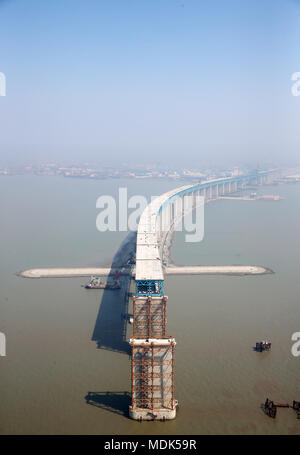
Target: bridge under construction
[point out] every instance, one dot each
(153, 350)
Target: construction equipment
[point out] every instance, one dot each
(96, 283)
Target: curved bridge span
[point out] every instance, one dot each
(152, 360)
(161, 214)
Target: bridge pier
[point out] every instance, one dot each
(152, 379)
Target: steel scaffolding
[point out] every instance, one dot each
(149, 317)
(152, 375)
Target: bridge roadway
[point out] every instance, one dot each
(152, 359)
(158, 218)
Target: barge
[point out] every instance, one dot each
(96, 283)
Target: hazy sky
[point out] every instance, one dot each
(187, 82)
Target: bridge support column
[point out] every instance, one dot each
(152, 379)
(178, 213)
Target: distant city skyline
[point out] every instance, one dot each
(95, 171)
(187, 83)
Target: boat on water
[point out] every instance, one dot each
(96, 283)
(263, 345)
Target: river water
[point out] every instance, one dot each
(67, 368)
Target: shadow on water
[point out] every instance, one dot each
(110, 327)
(116, 402)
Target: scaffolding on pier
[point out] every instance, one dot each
(152, 376)
(149, 316)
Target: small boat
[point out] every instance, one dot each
(263, 345)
